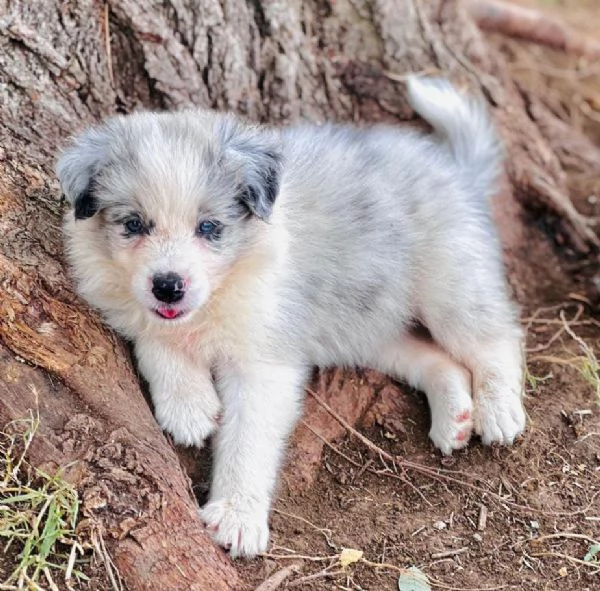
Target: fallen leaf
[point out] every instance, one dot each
(350, 556)
(563, 572)
(413, 579)
(591, 554)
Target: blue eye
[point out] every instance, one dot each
(134, 226)
(209, 229)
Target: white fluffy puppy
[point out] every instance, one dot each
(237, 257)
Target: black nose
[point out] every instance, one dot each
(168, 288)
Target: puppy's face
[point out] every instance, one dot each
(165, 205)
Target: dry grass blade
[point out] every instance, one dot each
(325, 573)
(560, 535)
(436, 583)
(103, 555)
(577, 561)
(593, 564)
(564, 326)
(585, 363)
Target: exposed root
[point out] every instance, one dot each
(531, 25)
(577, 229)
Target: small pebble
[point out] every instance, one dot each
(477, 538)
(440, 525)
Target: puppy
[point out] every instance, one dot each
(237, 257)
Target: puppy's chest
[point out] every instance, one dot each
(235, 337)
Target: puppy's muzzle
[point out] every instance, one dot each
(168, 288)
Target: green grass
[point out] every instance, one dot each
(534, 381)
(38, 516)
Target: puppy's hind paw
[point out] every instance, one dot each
(453, 432)
(499, 419)
(241, 526)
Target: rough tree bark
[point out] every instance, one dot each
(64, 65)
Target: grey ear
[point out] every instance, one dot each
(257, 156)
(77, 168)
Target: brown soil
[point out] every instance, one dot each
(552, 473)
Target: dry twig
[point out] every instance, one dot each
(483, 513)
(276, 579)
(449, 553)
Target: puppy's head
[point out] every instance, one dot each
(163, 205)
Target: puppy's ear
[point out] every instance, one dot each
(77, 168)
(257, 158)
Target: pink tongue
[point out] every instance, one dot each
(168, 313)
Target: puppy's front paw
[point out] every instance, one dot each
(189, 420)
(241, 525)
(499, 417)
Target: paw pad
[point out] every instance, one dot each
(465, 415)
(462, 435)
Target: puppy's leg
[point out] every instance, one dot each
(447, 385)
(261, 405)
(488, 342)
(185, 401)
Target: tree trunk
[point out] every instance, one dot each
(64, 65)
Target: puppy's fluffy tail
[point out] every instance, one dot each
(464, 124)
